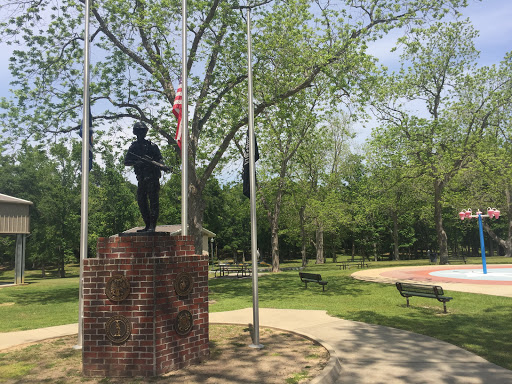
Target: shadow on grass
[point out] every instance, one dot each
(42, 296)
(7, 274)
(282, 290)
(478, 323)
(473, 332)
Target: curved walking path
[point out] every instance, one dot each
(360, 353)
(372, 354)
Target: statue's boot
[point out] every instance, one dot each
(147, 227)
(152, 224)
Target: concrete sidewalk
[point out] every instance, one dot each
(360, 353)
(12, 339)
(371, 354)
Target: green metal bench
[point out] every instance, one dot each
(421, 290)
(312, 278)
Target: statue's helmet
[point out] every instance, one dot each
(139, 126)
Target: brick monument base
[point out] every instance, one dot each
(145, 306)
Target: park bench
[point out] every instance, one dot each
(457, 258)
(312, 278)
(431, 291)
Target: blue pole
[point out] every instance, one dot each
(482, 246)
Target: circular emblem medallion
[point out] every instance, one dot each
(183, 323)
(117, 288)
(183, 284)
(118, 329)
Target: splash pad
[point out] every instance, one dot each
(464, 278)
(493, 274)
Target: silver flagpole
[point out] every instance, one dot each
(184, 124)
(85, 178)
(252, 183)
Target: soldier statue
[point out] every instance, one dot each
(146, 159)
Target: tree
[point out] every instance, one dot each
(288, 128)
(112, 199)
(48, 178)
(138, 63)
(393, 191)
(324, 173)
(234, 234)
(460, 102)
(487, 182)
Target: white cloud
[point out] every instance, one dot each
(5, 75)
(493, 18)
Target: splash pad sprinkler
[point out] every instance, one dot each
(492, 213)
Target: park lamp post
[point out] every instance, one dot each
(211, 245)
(491, 212)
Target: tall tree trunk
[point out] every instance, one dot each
(62, 270)
(442, 239)
(303, 235)
(396, 249)
(505, 243)
(274, 230)
(274, 242)
(320, 244)
(195, 216)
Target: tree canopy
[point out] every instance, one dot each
(311, 59)
(136, 65)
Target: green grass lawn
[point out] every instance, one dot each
(478, 323)
(41, 302)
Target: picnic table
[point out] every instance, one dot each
(359, 263)
(241, 270)
(344, 265)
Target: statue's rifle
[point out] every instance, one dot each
(146, 159)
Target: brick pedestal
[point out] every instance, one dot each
(150, 265)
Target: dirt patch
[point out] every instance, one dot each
(285, 358)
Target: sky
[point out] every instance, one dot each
(493, 18)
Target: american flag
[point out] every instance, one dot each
(177, 110)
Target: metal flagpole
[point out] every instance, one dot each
(85, 176)
(252, 183)
(184, 124)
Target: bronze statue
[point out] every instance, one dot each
(146, 159)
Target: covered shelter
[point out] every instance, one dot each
(15, 220)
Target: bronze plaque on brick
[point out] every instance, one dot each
(183, 284)
(183, 323)
(118, 329)
(117, 288)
